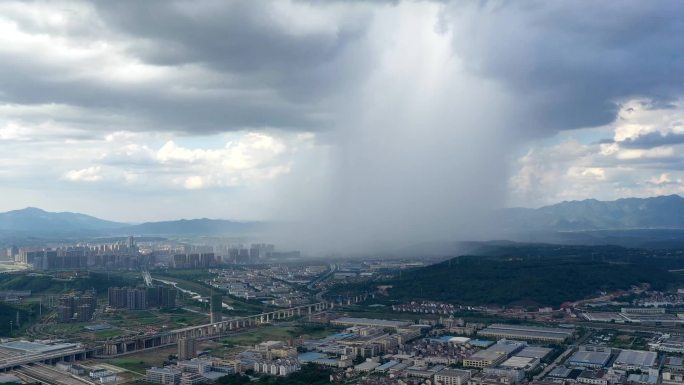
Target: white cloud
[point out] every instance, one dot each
(658, 152)
(194, 182)
(662, 179)
(90, 174)
(592, 173)
(245, 159)
(573, 170)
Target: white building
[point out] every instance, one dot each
(165, 376)
(452, 377)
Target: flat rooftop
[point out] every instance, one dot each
(454, 373)
(370, 322)
(27, 347)
(517, 362)
(534, 352)
(636, 358)
(583, 357)
(673, 362)
(526, 331)
(497, 350)
(530, 328)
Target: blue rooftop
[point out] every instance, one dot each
(310, 356)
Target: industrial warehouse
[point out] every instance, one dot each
(529, 333)
(349, 321)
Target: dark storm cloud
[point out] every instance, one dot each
(262, 66)
(300, 51)
(153, 107)
(571, 63)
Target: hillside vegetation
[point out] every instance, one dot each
(533, 274)
(37, 283)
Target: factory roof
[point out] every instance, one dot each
(387, 365)
(517, 362)
(534, 352)
(673, 362)
(636, 358)
(365, 366)
(27, 347)
(497, 350)
(584, 357)
(526, 331)
(530, 328)
(560, 372)
(370, 322)
(642, 378)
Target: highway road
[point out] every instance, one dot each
(332, 268)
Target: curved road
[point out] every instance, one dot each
(332, 268)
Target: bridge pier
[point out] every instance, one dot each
(211, 330)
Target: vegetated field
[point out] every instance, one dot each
(133, 319)
(7, 267)
(51, 283)
(533, 275)
(277, 332)
(139, 362)
(629, 341)
(75, 331)
(28, 314)
(109, 333)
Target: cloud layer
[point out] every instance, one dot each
(367, 122)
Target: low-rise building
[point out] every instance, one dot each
(635, 360)
(452, 377)
(529, 333)
(593, 377)
(279, 367)
(494, 354)
(670, 344)
(482, 378)
(195, 365)
(590, 357)
(165, 376)
(103, 376)
(191, 379)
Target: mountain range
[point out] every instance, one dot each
(663, 212)
(573, 220)
(34, 222)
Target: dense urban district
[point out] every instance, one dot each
(181, 312)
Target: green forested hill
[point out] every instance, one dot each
(534, 274)
(38, 283)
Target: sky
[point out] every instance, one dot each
(388, 119)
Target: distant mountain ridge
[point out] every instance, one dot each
(35, 222)
(620, 216)
(201, 226)
(662, 212)
(33, 219)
